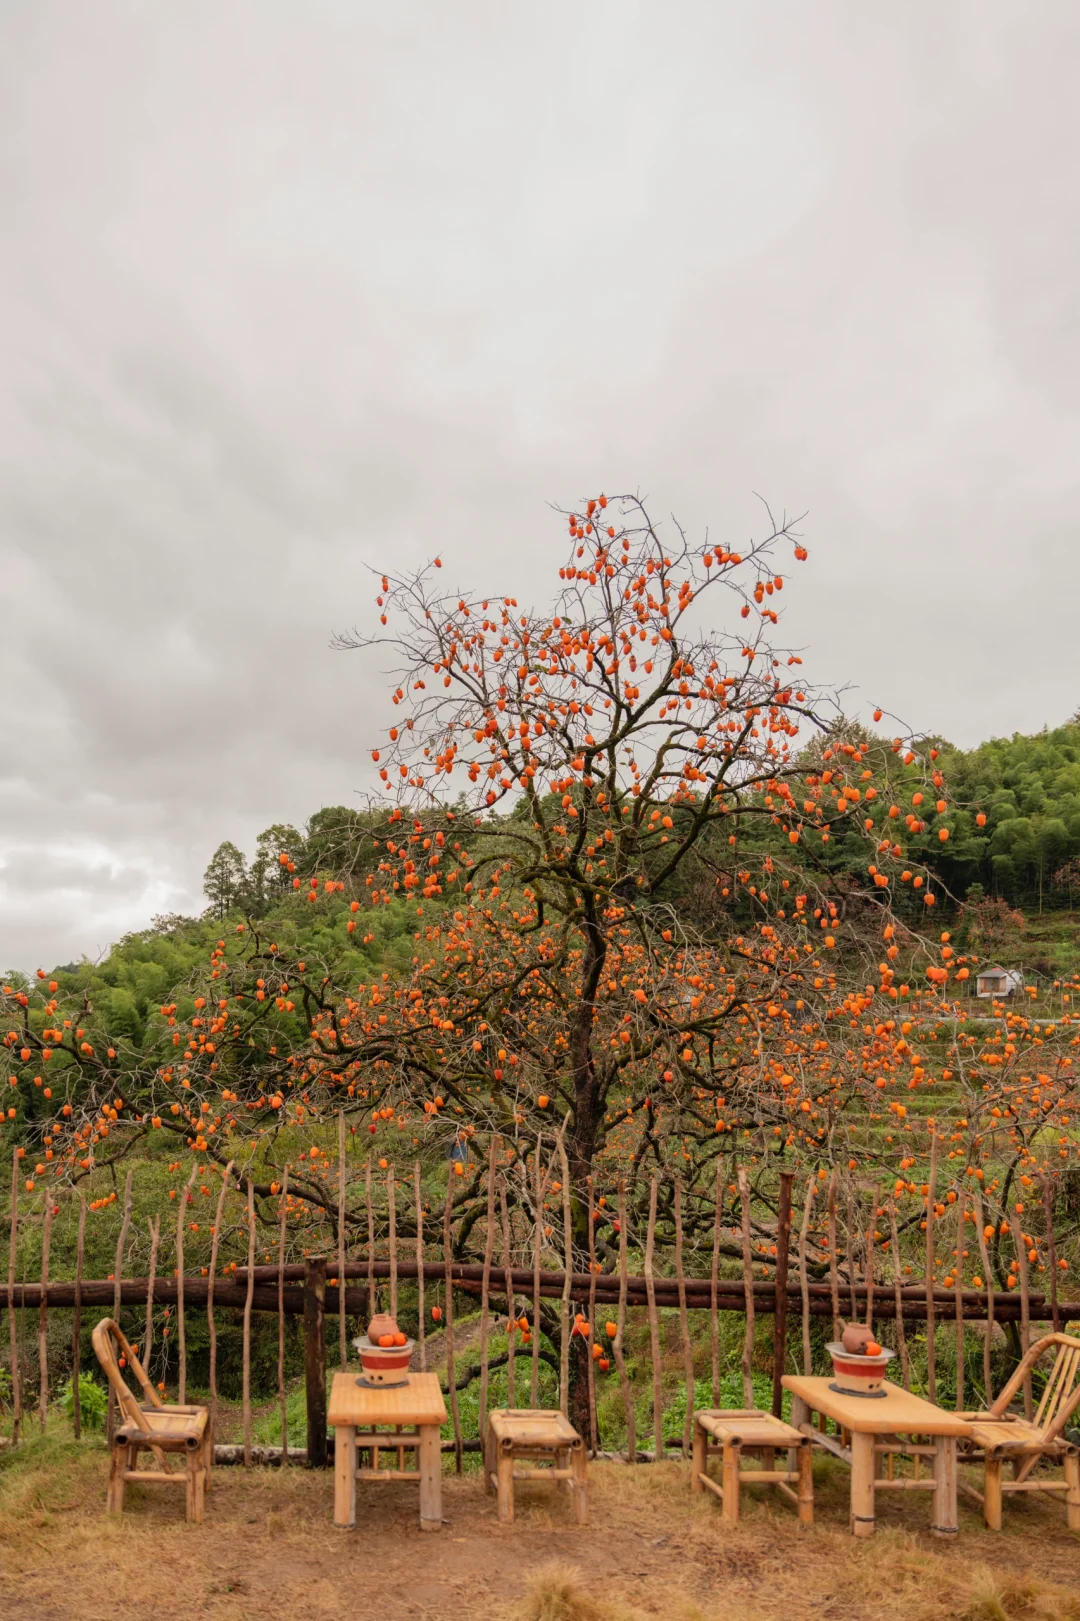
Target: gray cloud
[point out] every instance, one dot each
(286, 291)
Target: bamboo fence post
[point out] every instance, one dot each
(684, 1321)
(714, 1279)
(783, 1250)
(43, 1315)
(984, 1255)
(834, 1281)
(928, 1275)
(958, 1300)
(804, 1281)
(511, 1322)
(343, 1352)
(748, 1289)
(371, 1303)
(211, 1322)
(154, 1229)
(391, 1209)
(420, 1264)
(654, 1328)
(485, 1289)
(901, 1335)
(76, 1322)
(13, 1328)
(538, 1196)
(1051, 1253)
(617, 1342)
(849, 1246)
(282, 1403)
(1025, 1307)
(568, 1268)
(591, 1361)
(448, 1256)
(118, 1274)
(248, 1295)
(180, 1285)
(870, 1267)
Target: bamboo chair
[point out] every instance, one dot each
(998, 1435)
(152, 1426)
(729, 1432)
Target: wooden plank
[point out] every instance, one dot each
(419, 1402)
(247, 1323)
(897, 1412)
(654, 1328)
(315, 1361)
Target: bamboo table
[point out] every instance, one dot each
(875, 1427)
(390, 1420)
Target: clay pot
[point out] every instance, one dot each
(855, 1338)
(382, 1323)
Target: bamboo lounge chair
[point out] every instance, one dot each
(154, 1427)
(998, 1436)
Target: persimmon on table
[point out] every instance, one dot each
(876, 1428)
(393, 1419)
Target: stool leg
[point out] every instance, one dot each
(193, 1486)
(862, 1485)
(489, 1459)
(730, 1482)
(114, 1501)
(208, 1453)
(579, 1463)
(430, 1462)
(699, 1457)
(1072, 1496)
(504, 1473)
(345, 1476)
(992, 1493)
(805, 1487)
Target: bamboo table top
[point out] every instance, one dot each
(899, 1412)
(418, 1402)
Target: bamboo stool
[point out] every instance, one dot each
(739, 1430)
(520, 1433)
(155, 1427)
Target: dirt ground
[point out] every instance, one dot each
(268, 1548)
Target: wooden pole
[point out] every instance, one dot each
(391, 1208)
(928, 1275)
(118, 1277)
(76, 1321)
(654, 1328)
(43, 1315)
(372, 1304)
(783, 1248)
(1025, 1308)
(684, 1321)
(984, 1256)
(539, 1200)
(154, 1229)
(834, 1281)
(211, 1321)
(180, 1286)
(617, 1342)
(511, 1322)
(13, 1328)
(804, 1280)
(283, 1405)
(420, 1264)
(1051, 1253)
(901, 1336)
(315, 1360)
(869, 1258)
(714, 1281)
(958, 1300)
(448, 1256)
(748, 1288)
(849, 1245)
(247, 1321)
(485, 1288)
(568, 1267)
(343, 1351)
(591, 1363)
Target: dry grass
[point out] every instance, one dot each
(652, 1549)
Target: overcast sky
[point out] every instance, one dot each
(289, 289)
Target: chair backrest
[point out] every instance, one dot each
(106, 1332)
(1062, 1393)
